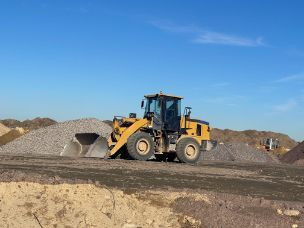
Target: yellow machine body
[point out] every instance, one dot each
(122, 131)
(162, 130)
(195, 129)
(125, 127)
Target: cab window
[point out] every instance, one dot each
(172, 109)
(154, 105)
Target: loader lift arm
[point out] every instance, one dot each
(125, 136)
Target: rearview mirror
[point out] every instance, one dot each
(142, 104)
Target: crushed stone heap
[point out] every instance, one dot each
(238, 152)
(52, 139)
(296, 155)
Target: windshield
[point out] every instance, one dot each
(153, 105)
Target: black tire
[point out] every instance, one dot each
(140, 146)
(182, 150)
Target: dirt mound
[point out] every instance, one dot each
(238, 152)
(86, 205)
(29, 124)
(11, 135)
(135, 198)
(52, 139)
(295, 154)
(236, 211)
(27, 204)
(299, 162)
(252, 137)
(3, 129)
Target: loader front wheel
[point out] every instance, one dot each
(140, 146)
(188, 150)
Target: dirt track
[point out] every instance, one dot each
(270, 182)
(61, 191)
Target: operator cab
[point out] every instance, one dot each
(165, 110)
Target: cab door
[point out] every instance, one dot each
(171, 114)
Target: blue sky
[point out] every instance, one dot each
(239, 64)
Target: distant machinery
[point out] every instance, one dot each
(270, 143)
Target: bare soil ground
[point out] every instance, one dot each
(208, 194)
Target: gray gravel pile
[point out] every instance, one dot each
(51, 140)
(238, 152)
(219, 153)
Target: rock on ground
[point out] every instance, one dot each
(52, 139)
(238, 152)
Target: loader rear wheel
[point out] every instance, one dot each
(140, 146)
(188, 150)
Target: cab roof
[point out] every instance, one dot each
(162, 95)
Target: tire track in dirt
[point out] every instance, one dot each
(271, 182)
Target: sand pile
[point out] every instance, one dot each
(3, 129)
(295, 155)
(11, 135)
(238, 152)
(52, 139)
(26, 204)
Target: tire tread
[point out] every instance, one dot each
(131, 146)
(180, 150)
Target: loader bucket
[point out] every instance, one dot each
(86, 145)
(99, 148)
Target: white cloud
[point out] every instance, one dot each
(203, 36)
(295, 77)
(208, 37)
(287, 106)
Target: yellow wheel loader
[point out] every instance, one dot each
(162, 132)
